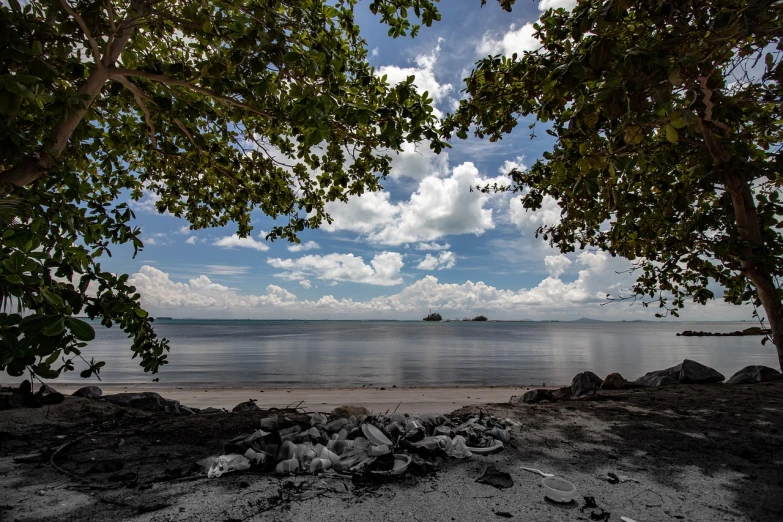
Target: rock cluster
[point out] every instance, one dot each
(687, 372)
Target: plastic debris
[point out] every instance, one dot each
(496, 478)
(227, 464)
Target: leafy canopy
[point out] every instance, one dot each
(666, 115)
(213, 108)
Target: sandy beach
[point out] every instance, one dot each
(410, 400)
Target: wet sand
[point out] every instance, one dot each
(410, 400)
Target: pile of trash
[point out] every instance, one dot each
(379, 444)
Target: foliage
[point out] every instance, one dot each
(480, 318)
(212, 108)
(433, 317)
(668, 119)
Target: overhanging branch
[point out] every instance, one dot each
(90, 38)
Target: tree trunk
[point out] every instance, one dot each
(749, 231)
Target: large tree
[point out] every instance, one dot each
(214, 108)
(668, 119)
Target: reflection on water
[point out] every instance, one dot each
(354, 353)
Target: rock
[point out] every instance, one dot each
(47, 396)
(614, 381)
(562, 394)
(147, 401)
(348, 411)
(246, 406)
(584, 383)
(210, 409)
(687, 372)
(88, 392)
(536, 396)
(753, 374)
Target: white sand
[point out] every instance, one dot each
(410, 400)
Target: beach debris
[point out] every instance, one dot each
(589, 503)
(754, 374)
(88, 392)
(687, 372)
(626, 519)
(614, 381)
(615, 478)
(148, 401)
(23, 396)
(226, 464)
(558, 489)
(539, 472)
(349, 411)
(535, 396)
(600, 515)
(291, 442)
(495, 478)
(504, 514)
(584, 383)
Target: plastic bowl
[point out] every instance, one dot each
(559, 490)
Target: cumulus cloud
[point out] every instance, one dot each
(513, 41)
(545, 5)
(241, 242)
(384, 268)
(303, 247)
(527, 220)
(556, 265)
(305, 283)
(439, 207)
(418, 161)
(433, 246)
(443, 261)
(424, 73)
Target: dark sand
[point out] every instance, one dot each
(696, 453)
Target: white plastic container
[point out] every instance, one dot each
(559, 490)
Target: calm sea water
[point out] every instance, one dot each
(355, 353)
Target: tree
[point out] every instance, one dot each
(480, 318)
(668, 118)
(213, 107)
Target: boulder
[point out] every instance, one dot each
(349, 411)
(687, 372)
(147, 401)
(47, 396)
(614, 381)
(88, 392)
(562, 394)
(246, 406)
(584, 383)
(753, 374)
(536, 396)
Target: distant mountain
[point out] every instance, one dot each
(588, 320)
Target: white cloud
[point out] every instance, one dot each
(184, 229)
(241, 242)
(439, 207)
(305, 283)
(375, 52)
(556, 265)
(384, 268)
(513, 41)
(551, 298)
(418, 161)
(515, 164)
(224, 269)
(433, 246)
(545, 5)
(424, 73)
(191, 240)
(303, 247)
(444, 260)
(528, 220)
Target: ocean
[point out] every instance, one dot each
(416, 353)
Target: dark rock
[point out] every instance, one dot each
(107, 466)
(687, 372)
(614, 381)
(47, 396)
(562, 394)
(246, 406)
(536, 396)
(349, 411)
(584, 383)
(753, 374)
(88, 392)
(147, 401)
(210, 410)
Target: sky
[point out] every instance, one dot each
(425, 242)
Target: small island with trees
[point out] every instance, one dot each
(433, 317)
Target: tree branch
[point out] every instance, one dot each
(90, 38)
(139, 96)
(116, 72)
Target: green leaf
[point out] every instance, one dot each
(671, 134)
(50, 296)
(53, 326)
(207, 26)
(141, 312)
(80, 329)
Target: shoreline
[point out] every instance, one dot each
(409, 400)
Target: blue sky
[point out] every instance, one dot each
(425, 242)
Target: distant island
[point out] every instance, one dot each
(480, 318)
(433, 317)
